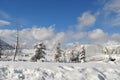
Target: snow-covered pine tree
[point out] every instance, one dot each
(40, 52)
(82, 55)
(74, 56)
(109, 52)
(59, 53)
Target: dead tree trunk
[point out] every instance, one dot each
(0, 49)
(17, 42)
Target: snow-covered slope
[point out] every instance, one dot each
(5, 45)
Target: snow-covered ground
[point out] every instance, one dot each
(97, 67)
(98, 70)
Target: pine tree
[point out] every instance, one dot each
(109, 52)
(59, 53)
(82, 55)
(58, 49)
(40, 52)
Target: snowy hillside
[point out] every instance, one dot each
(5, 45)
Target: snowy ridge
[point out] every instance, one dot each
(59, 71)
(5, 45)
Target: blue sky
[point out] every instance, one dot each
(62, 13)
(80, 19)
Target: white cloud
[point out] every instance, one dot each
(26, 33)
(86, 20)
(4, 15)
(75, 35)
(29, 36)
(59, 37)
(112, 12)
(42, 33)
(97, 35)
(8, 35)
(113, 6)
(4, 23)
(115, 37)
(33, 35)
(78, 36)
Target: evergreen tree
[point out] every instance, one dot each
(59, 52)
(82, 55)
(58, 49)
(40, 52)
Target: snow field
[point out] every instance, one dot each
(97, 67)
(59, 71)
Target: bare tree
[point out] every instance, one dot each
(0, 49)
(17, 42)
